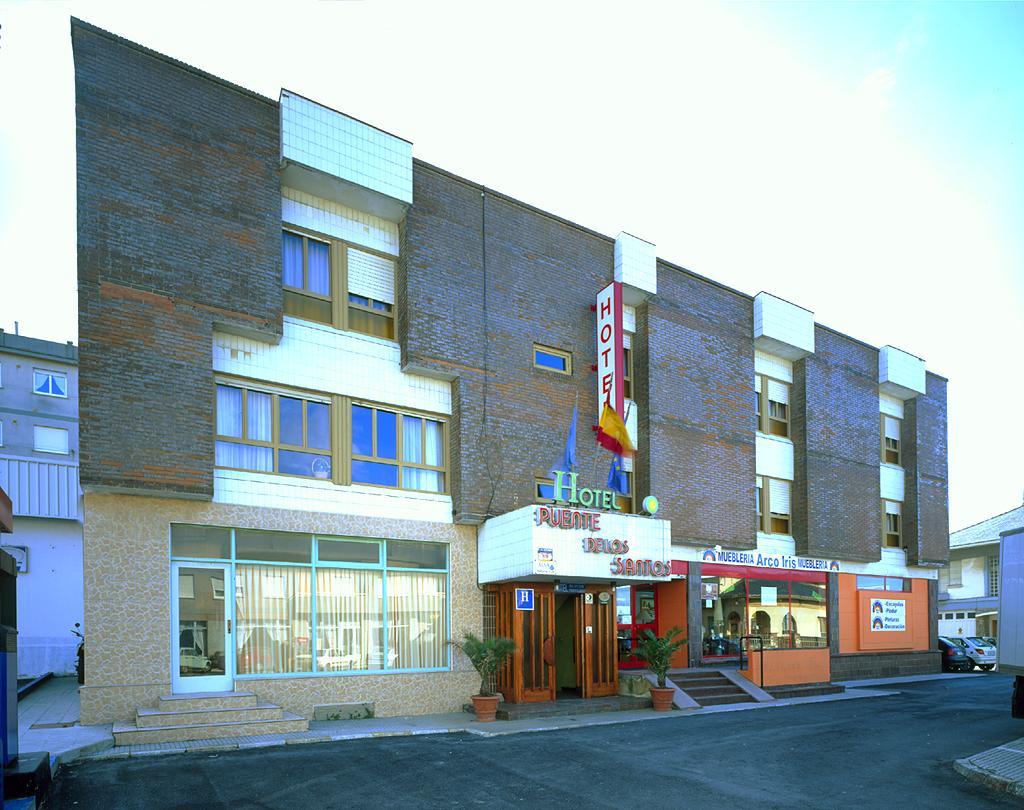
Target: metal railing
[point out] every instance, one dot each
(760, 649)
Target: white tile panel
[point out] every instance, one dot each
(43, 489)
(899, 373)
(891, 481)
(632, 417)
(312, 495)
(773, 366)
(636, 264)
(337, 220)
(507, 546)
(344, 147)
(628, 319)
(318, 357)
(782, 328)
(774, 457)
(890, 405)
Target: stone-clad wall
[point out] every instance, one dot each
(179, 207)
(836, 509)
(127, 608)
(926, 458)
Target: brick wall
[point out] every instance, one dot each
(695, 368)
(835, 431)
(926, 500)
(486, 278)
(177, 183)
(885, 665)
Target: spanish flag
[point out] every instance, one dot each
(612, 434)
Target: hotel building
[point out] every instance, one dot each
(323, 386)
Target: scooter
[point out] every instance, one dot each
(80, 665)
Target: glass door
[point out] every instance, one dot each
(201, 659)
(636, 610)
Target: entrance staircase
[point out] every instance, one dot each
(709, 687)
(206, 716)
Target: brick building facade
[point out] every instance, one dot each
(432, 308)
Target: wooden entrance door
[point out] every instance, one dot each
(529, 676)
(597, 659)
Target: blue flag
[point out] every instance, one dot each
(567, 460)
(617, 479)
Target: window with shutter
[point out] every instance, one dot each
(891, 524)
(772, 406)
(890, 440)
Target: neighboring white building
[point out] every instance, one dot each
(969, 586)
(39, 471)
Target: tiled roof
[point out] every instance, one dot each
(988, 530)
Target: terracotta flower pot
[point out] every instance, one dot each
(486, 707)
(661, 698)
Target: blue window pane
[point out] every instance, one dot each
(362, 430)
(372, 472)
(549, 360)
(290, 421)
(295, 463)
(387, 434)
(318, 425)
(546, 491)
(57, 386)
(382, 306)
(358, 299)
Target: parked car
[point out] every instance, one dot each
(954, 657)
(981, 652)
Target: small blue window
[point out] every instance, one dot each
(373, 472)
(50, 384)
(553, 359)
(362, 430)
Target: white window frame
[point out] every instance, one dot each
(956, 573)
(48, 372)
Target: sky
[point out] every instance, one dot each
(865, 161)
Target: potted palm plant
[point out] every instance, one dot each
(657, 652)
(487, 656)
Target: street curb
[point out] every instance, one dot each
(969, 770)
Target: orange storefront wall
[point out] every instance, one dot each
(672, 613)
(783, 667)
(855, 634)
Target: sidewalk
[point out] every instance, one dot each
(1000, 768)
(48, 721)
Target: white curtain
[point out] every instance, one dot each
(229, 411)
(318, 256)
(416, 620)
(257, 420)
(272, 608)
(291, 248)
(413, 451)
(350, 620)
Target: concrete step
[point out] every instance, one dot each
(720, 700)
(804, 690)
(700, 692)
(155, 718)
(130, 734)
(206, 700)
(699, 683)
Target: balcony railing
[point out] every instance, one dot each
(47, 489)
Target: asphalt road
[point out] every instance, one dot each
(890, 752)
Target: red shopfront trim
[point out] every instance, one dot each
(680, 568)
(750, 572)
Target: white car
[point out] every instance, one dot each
(980, 652)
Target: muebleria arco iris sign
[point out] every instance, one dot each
(760, 559)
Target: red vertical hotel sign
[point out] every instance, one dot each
(609, 349)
